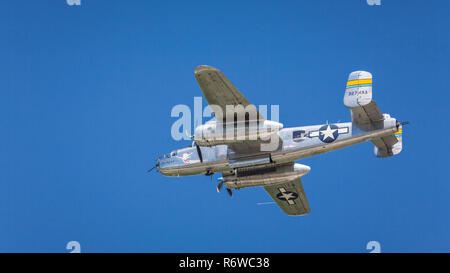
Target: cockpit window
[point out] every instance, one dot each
(173, 153)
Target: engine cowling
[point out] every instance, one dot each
(253, 177)
(212, 133)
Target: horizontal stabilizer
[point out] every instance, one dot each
(388, 145)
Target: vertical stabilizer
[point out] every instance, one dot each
(359, 89)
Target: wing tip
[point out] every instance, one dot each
(299, 214)
(202, 68)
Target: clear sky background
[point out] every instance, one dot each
(85, 99)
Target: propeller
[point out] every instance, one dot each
(199, 151)
(200, 156)
(230, 192)
(219, 186)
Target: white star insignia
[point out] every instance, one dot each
(287, 196)
(328, 133)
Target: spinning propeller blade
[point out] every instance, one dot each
(219, 186)
(199, 152)
(230, 192)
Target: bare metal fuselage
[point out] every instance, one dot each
(297, 143)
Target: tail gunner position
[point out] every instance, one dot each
(244, 163)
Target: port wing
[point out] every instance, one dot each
(290, 196)
(220, 93)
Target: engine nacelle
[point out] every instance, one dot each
(213, 133)
(253, 177)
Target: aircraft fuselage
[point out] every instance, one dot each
(297, 143)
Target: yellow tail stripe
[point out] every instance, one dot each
(362, 81)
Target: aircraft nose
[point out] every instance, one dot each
(157, 166)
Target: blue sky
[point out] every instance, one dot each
(85, 99)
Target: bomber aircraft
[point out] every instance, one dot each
(251, 151)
